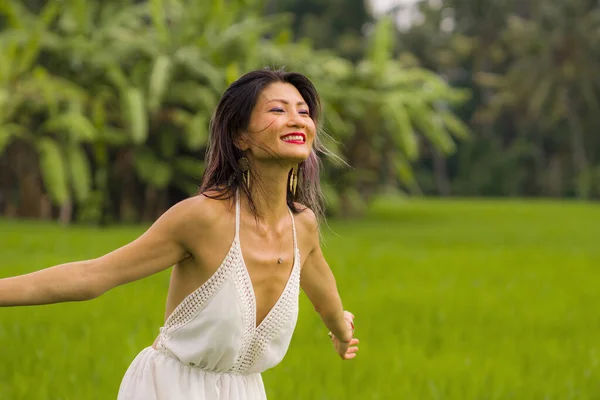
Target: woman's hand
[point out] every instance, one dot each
(346, 350)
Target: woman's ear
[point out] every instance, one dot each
(241, 142)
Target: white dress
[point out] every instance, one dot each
(210, 347)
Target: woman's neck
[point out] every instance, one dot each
(269, 193)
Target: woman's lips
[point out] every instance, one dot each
(294, 138)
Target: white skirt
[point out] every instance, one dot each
(155, 376)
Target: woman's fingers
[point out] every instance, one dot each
(352, 349)
(351, 352)
(353, 341)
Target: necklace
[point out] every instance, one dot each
(280, 258)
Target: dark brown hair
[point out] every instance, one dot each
(232, 117)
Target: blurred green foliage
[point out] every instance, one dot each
(535, 111)
(107, 104)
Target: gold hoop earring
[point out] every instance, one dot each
(244, 166)
(294, 180)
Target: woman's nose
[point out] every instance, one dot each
(295, 120)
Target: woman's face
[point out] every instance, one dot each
(281, 124)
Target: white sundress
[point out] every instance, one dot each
(210, 347)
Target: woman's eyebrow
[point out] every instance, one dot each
(300, 103)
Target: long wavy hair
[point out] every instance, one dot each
(223, 176)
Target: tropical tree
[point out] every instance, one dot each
(144, 78)
(552, 87)
(43, 125)
(533, 112)
(384, 115)
(333, 25)
(127, 56)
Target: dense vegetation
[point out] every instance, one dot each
(530, 66)
(105, 105)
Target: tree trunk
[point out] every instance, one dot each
(149, 203)
(24, 162)
(441, 173)
(554, 177)
(348, 207)
(580, 160)
(45, 207)
(5, 185)
(128, 207)
(66, 213)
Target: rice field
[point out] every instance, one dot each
(454, 300)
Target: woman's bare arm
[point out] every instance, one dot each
(320, 286)
(160, 247)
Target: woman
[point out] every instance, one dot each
(241, 249)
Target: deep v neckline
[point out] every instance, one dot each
(253, 302)
(256, 325)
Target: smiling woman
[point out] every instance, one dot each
(251, 123)
(241, 250)
(275, 124)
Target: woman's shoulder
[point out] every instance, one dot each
(203, 210)
(306, 218)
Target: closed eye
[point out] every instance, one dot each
(280, 110)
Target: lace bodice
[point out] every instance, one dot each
(214, 328)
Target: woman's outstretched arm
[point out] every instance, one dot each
(160, 247)
(320, 286)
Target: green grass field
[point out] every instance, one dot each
(453, 300)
